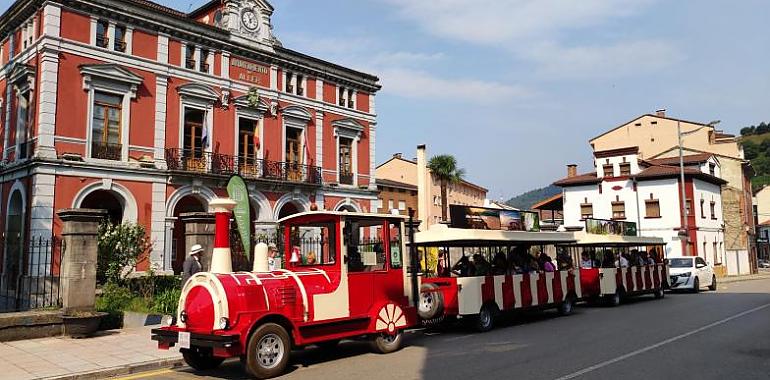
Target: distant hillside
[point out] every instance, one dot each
(526, 200)
(756, 148)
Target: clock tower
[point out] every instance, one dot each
(249, 21)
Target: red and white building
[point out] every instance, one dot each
(647, 192)
(147, 111)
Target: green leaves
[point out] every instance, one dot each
(444, 168)
(121, 247)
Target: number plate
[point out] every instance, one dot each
(184, 339)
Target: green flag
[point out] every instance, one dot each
(238, 192)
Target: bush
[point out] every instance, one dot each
(113, 300)
(166, 302)
(121, 247)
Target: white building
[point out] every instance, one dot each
(647, 192)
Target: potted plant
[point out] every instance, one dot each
(81, 324)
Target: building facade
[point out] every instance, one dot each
(402, 170)
(647, 192)
(394, 195)
(146, 111)
(656, 137)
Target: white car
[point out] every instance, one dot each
(690, 273)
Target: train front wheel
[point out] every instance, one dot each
(268, 351)
(385, 343)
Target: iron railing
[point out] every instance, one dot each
(106, 151)
(249, 168)
(30, 274)
(346, 178)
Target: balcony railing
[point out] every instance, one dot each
(102, 41)
(249, 168)
(346, 178)
(120, 46)
(190, 64)
(106, 151)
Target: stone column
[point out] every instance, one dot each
(78, 267)
(199, 229)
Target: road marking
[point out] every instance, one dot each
(661, 343)
(146, 374)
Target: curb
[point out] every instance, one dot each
(128, 369)
(727, 280)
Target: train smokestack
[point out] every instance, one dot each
(260, 258)
(221, 259)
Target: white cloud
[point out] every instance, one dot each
(420, 84)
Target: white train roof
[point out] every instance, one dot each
(342, 213)
(440, 233)
(584, 238)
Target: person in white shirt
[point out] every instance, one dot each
(585, 261)
(272, 252)
(622, 261)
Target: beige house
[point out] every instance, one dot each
(403, 170)
(656, 137)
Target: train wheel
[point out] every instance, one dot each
(713, 285)
(385, 343)
(201, 359)
(431, 303)
(485, 321)
(658, 294)
(567, 306)
(614, 299)
(268, 351)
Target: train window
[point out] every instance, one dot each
(365, 248)
(395, 245)
(313, 244)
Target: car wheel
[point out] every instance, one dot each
(695, 285)
(485, 321)
(713, 285)
(200, 358)
(385, 343)
(268, 351)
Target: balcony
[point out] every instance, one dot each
(346, 178)
(181, 160)
(189, 64)
(120, 46)
(105, 151)
(102, 41)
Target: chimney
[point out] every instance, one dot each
(422, 186)
(661, 112)
(571, 170)
(396, 155)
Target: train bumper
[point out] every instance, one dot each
(168, 338)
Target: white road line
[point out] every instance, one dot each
(661, 343)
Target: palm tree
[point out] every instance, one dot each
(444, 168)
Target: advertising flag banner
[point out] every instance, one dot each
(238, 192)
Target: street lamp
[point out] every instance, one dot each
(684, 232)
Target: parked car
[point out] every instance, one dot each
(764, 263)
(690, 273)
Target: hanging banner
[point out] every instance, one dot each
(610, 227)
(238, 192)
(482, 218)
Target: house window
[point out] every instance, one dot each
(618, 210)
(379, 204)
(341, 96)
(189, 58)
(248, 145)
(702, 214)
(714, 250)
(402, 205)
(120, 38)
(586, 211)
(351, 102)
(345, 160)
(608, 170)
(300, 89)
(712, 169)
(687, 207)
(288, 86)
(101, 34)
(203, 65)
(106, 126)
(652, 208)
(22, 121)
(625, 169)
(713, 210)
(194, 142)
(390, 205)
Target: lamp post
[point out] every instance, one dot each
(685, 231)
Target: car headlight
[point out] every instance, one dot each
(224, 323)
(686, 274)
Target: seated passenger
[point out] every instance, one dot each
(310, 258)
(548, 264)
(481, 264)
(462, 267)
(441, 267)
(608, 260)
(622, 261)
(500, 264)
(564, 260)
(585, 261)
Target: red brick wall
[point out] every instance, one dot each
(75, 26)
(144, 45)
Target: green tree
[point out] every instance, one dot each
(745, 131)
(762, 128)
(121, 247)
(750, 150)
(444, 169)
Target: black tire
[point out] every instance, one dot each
(658, 294)
(386, 343)
(614, 299)
(713, 286)
(485, 321)
(567, 306)
(695, 285)
(431, 303)
(328, 345)
(267, 353)
(201, 358)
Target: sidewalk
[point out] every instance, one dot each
(763, 274)
(112, 353)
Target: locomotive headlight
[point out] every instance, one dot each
(183, 316)
(224, 323)
(171, 320)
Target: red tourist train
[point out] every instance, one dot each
(347, 278)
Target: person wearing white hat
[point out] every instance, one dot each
(192, 264)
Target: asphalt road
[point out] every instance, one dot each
(711, 335)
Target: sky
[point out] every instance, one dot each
(514, 89)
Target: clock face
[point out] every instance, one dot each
(250, 20)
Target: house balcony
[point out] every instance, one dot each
(205, 163)
(346, 178)
(106, 151)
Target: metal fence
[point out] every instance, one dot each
(30, 274)
(243, 261)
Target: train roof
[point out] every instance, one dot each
(584, 238)
(440, 233)
(342, 213)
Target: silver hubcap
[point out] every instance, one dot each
(269, 351)
(485, 317)
(389, 339)
(568, 306)
(426, 301)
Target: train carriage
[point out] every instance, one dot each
(615, 266)
(478, 296)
